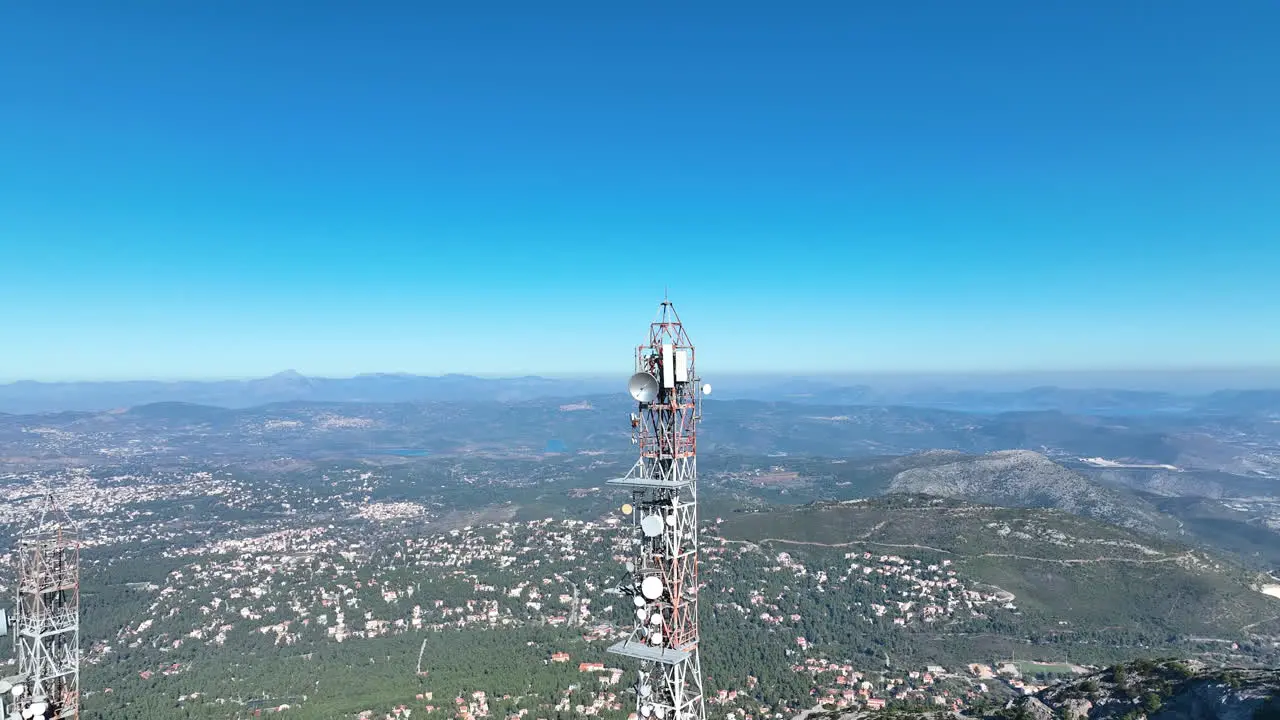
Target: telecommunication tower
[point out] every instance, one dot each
(46, 627)
(662, 574)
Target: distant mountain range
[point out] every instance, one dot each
(1078, 401)
(288, 386)
(599, 422)
(39, 397)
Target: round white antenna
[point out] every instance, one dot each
(706, 389)
(651, 588)
(643, 387)
(651, 525)
(639, 601)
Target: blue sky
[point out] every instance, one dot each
(233, 188)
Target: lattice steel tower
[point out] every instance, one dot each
(47, 624)
(662, 575)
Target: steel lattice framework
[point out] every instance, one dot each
(662, 578)
(47, 624)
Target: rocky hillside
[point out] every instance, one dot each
(1022, 478)
(1158, 690)
(1140, 690)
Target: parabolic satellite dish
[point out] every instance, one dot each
(643, 387)
(651, 588)
(651, 525)
(706, 389)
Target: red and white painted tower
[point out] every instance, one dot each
(662, 574)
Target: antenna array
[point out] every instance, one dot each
(662, 574)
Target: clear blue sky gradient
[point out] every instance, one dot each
(222, 189)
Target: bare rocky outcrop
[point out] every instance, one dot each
(1038, 710)
(1076, 709)
(1165, 690)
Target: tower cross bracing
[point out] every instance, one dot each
(46, 626)
(662, 572)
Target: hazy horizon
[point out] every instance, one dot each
(1183, 380)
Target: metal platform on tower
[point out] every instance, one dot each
(640, 651)
(649, 483)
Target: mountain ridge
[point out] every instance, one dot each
(734, 427)
(1024, 478)
(27, 396)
